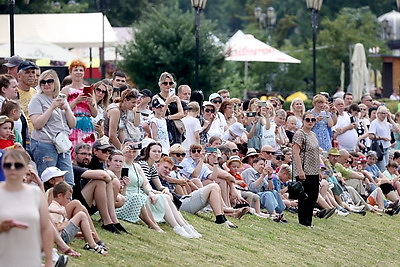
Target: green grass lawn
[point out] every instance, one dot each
(339, 241)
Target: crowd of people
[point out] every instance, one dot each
(70, 150)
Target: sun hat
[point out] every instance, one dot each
(51, 172)
(233, 159)
(334, 152)
(4, 119)
(250, 152)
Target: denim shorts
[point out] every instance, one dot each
(69, 232)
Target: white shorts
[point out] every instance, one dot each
(193, 202)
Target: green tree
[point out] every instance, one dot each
(165, 41)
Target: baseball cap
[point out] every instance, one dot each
(157, 102)
(237, 128)
(213, 96)
(51, 172)
(13, 61)
(147, 92)
(26, 65)
(208, 103)
(102, 144)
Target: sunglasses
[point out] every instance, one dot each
(49, 81)
(235, 150)
(167, 83)
(268, 152)
(209, 110)
(101, 91)
(196, 151)
(350, 162)
(181, 154)
(280, 158)
(363, 109)
(105, 150)
(85, 154)
(17, 165)
(217, 101)
(310, 119)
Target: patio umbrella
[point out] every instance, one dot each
(360, 73)
(36, 48)
(245, 47)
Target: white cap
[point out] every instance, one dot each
(237, 128)
(52, 172)
(213, 96)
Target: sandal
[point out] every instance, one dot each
(71, 252)
(242, 212)
(97, 249)
(101, 243)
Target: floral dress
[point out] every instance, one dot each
(321, 130)
(84, 129)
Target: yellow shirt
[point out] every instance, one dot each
(24, 99)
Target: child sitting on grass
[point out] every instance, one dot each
(62, 193)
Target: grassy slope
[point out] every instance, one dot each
(338, 241)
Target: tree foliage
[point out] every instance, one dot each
(165, 41)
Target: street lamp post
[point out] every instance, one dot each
(314, 6)
(11, 4)
(265, 20)
(198, 6)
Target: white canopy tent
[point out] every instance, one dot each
(245, 47)
(71, 30)
(36, 48)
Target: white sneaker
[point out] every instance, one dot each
(190, 230)
(182, 232)
(357, 208)
(341, 213)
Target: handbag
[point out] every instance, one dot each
(180, 127)
(61, 140)
(378, 148)
(296, 188)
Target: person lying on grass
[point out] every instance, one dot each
(69, 228)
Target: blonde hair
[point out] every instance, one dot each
(164, 76)
(297, 99)
(54, 75)
(318, 98)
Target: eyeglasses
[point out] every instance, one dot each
(368, 100)
(49, 81)
(105, 150)
(363, 109)
(235, 150)
(101, 91)
(209, 110)
(217, 101)
(310, 119)
(280, 158)
(196, 151)
(17, 165)
(268, 152)
(85, 154)
(181, 154)
(167, 83)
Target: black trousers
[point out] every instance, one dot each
(306, 207)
